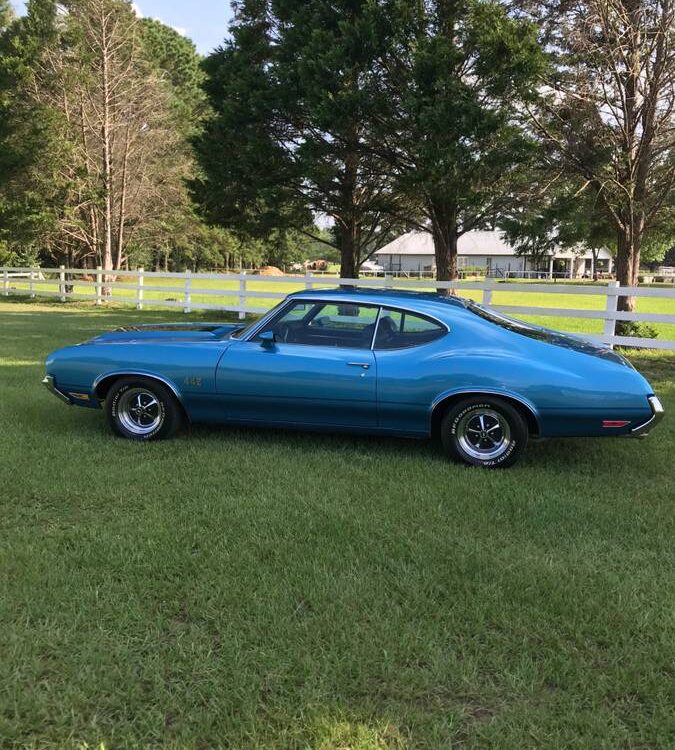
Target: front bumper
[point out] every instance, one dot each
(657, 415)
(50, 384)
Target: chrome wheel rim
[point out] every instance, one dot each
(483, 434)
(139, 411)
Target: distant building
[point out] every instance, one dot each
(413, 253)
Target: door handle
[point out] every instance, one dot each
(363, 365)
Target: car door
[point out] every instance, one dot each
(312, 364)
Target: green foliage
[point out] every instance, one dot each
(553, 214)
(175, 58)
(292, 95)
(605, 116)
(32, 148)
(7, 15)
(448, 129)
(53, 195)
(638, 330)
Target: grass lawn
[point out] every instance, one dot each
(260, 590)
(229, 297)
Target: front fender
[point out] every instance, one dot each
(99, 385)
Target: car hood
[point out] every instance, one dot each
(164, 333)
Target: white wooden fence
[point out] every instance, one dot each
(236, 294)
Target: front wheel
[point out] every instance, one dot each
(142, 409)
(484, 431)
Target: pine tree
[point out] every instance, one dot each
(451, 80)
(291, 94)
(7, 15)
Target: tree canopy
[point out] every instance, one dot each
(553, 122)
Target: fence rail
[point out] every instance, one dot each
(236, 294)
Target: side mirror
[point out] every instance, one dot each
(267, 339)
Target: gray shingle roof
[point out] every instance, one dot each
(471, 243)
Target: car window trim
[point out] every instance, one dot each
(270, 318)
(404, 311)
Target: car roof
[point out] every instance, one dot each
(424, 302)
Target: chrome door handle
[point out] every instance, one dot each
(364, 365)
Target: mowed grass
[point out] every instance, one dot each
(255, 589)
(229, 297)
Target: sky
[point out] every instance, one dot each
(204, 21)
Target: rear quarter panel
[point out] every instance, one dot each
(570, 393)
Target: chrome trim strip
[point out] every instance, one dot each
(336, 299)
(377, 328)
(136, 373)
(50, 384)
(658, 412)
(397, 308)
(487, 392)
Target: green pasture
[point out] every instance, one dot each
(264, 590)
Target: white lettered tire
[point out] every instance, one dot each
(142, 409)
(484, 431)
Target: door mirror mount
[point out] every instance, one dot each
(267, 339)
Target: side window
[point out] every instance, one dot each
(325, 324)
(398, 330)
(346, 317)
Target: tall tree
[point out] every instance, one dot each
(450, 81)
(118, 147)
(7, 14)
(32, 150)
(291, 94)
(608, 118)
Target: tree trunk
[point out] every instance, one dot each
(445, 234)
(348, 228)
(106, 140)
(627, 268)
(119, 250)
(348, 252)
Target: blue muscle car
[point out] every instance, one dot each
(397, 363)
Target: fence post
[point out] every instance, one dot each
(611, 307)
(187, 302)
(99, 285)
(5, 282)
(242, 296)
(487, 297)
(309, 284)
(139, 288)
(388, 281)
(31, 276)
(62, 283)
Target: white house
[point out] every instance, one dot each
(413, 253)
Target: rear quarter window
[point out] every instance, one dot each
(398, 329)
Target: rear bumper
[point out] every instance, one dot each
(50, 385)
(657, 415)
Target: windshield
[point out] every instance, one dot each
(242, 333)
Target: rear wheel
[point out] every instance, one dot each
(142, 409)
(484, 431)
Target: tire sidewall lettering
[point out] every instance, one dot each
(492, 462)
(115, 413)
